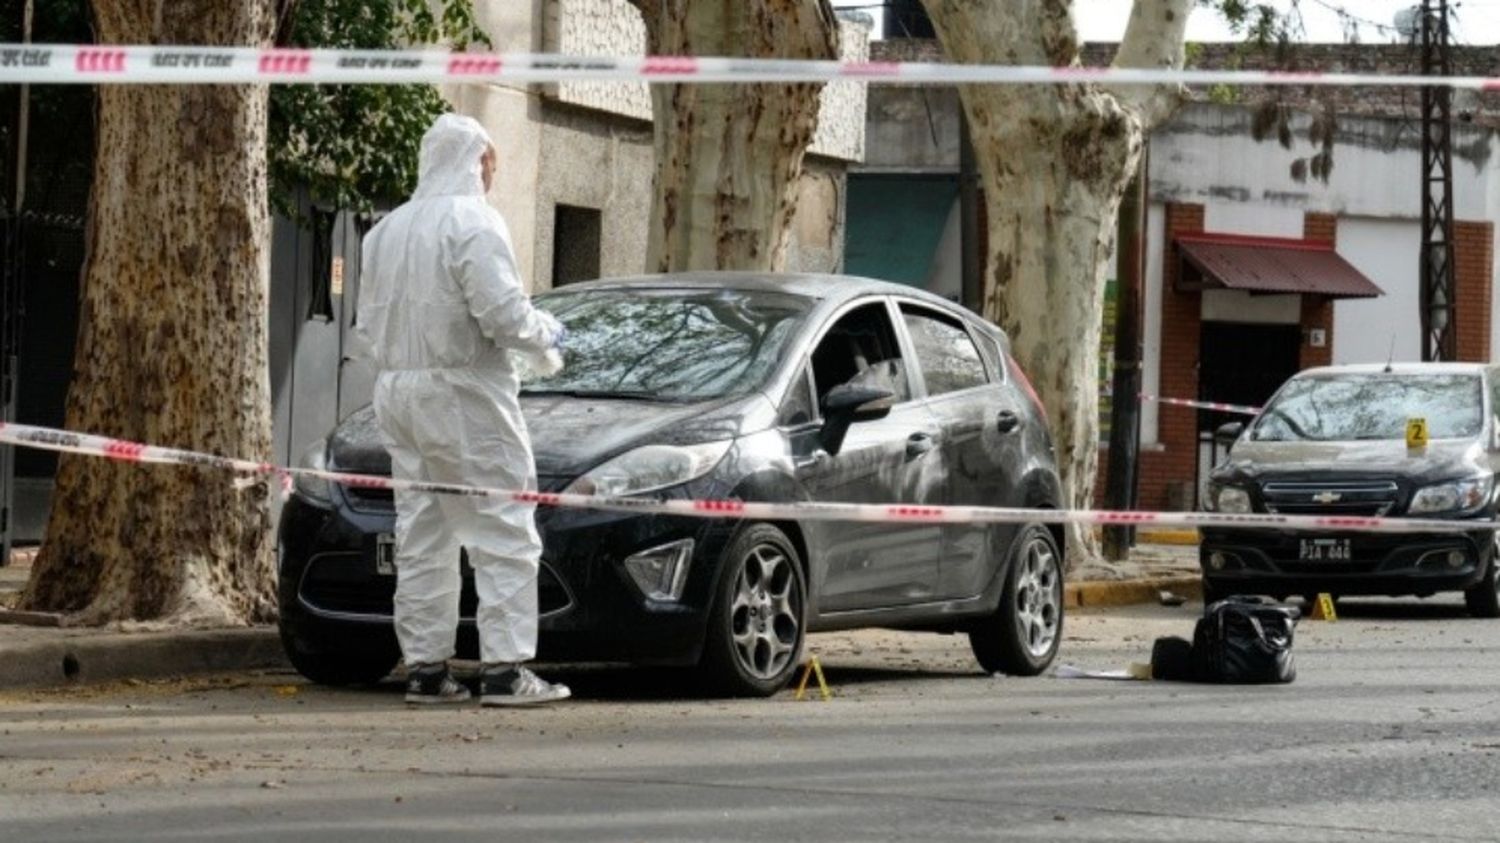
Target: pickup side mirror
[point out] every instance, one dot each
(1228, 433)
(846, 404)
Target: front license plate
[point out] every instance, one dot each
(1324, 550)
(385, 554)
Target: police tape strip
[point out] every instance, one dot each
(140, 64)
(1242, 409)
(51, 439)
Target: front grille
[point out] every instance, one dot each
(1351, 498)
(346, 583)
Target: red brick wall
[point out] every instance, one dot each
(1473, 274)
(1317, 311)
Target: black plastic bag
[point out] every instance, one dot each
(1238, 641)
(1245, 641)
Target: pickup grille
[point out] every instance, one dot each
(1337, 497)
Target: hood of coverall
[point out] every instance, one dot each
(449, 161)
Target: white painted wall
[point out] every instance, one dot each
(1258, 219)
(1386, 251)
(1206, 155)
(1240, 306)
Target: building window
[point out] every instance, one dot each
(575, 245)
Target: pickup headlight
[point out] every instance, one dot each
(1228, 499)
(1459, 496)
(649, 468)
(315, 489)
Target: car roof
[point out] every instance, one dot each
(829, 288)
(1399, 369)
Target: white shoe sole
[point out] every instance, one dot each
(509, 701)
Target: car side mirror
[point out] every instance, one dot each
(848, 403)
(1228, 433)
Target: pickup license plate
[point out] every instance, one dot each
(1324, 550)
(385, 554)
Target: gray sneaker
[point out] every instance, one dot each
(518, 686)
(432, 684)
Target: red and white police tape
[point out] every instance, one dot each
(51, 439)
(1242, 409)
(140, 64)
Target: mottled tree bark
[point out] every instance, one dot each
(728, 156)
(1055, 161)
(172, 342)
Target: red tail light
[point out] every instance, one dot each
(1025, 382)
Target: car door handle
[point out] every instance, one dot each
(1007, 421)
(918, 444)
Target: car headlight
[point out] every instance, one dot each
(1459, 496)
(314, 489)
(1228, 499)
(649, 468)
(661, 572)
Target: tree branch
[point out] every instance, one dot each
(1153, 39)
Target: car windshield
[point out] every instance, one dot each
(1372, 406)
(669, 345)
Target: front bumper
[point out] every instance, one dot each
(332, 596)
(1264, 561)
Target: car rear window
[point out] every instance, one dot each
(1372, 406)
(671, 345)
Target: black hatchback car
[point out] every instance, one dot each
(1334, 441)
(727, 385)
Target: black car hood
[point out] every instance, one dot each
(1442, 459)
(571, 435)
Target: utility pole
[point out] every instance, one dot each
(1125, 401)
(1438, 302)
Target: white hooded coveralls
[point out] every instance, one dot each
(441, 303)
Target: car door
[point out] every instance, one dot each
(980, 420)
(890, 460)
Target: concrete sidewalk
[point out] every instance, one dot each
(50, 655)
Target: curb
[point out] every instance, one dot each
(1091, 593)
(1176, 537)
(147, 655)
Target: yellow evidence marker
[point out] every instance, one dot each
(807, 672)
(1416, 434)
(1322, 609)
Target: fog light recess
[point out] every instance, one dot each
(661, 572)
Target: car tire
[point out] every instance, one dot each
(358, 667)
(1021, 637)
(1483, 598)
(757, 628)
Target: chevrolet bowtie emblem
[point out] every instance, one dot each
(1327, 497)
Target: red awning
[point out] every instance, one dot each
(1270, 265)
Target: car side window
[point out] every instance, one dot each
(798, 408)
(949, 359)
(861, 345)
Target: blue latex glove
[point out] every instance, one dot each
(562, 334)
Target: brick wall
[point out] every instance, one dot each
(1473, 271)
(1317, 311)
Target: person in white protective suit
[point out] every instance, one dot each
(442, 306)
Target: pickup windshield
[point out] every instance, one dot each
(1348, 407)
(668, 345)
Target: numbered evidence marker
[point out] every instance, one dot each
(1323, 609)
(1416, 434)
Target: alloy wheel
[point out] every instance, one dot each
(1038, 594)
(766, 614)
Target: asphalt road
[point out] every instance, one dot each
(1390, 732)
